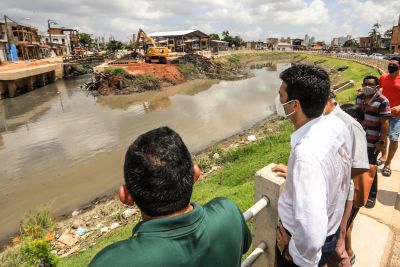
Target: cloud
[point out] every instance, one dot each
(251, 19)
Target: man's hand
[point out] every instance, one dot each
(280, 170)
(395, 109)
(282, 241)
(380, 147)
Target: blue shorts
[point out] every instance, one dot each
(394, 128)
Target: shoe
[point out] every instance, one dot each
(386, 171)
(379, 162)
(370, 203)
(353, 260)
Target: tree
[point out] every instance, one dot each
(128, 46)
(114, 45)
(225, 33)
(214, 36)
(388, 33)
(85, 39)
(350, 43)
(375, 34)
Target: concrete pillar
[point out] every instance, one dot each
(266, 183)
(12, 88)
(42, 79)
(3, 88)
(29, 83)
(52, 76)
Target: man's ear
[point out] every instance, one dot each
(124, 196)
(197, 172)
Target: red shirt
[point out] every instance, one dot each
(391, 89)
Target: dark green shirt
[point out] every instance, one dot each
(213, 235)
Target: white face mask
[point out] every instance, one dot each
(368, 90)
(279, 107)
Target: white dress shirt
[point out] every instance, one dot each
(359, 149)
(311, 205)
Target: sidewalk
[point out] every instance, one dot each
(376, 232)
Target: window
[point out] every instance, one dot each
(63, 41)
(55, 40)
(47, 39)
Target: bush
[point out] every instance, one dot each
(186, 69)
(116, 71)
(32, 248)
(37, 252)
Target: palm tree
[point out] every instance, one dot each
(374, 33)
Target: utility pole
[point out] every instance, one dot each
(48, 25)
(49, 22)
(8, 49)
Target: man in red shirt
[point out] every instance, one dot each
(390, 82)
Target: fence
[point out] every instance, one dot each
(380, 64)
(265, 213)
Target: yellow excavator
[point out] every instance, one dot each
(151, 51)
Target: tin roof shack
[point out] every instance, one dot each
(217, 46)
(395, 40)
(298, 44)
(3, 42)
(183, 41)
(255, 45)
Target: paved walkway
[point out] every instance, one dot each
(376, 232)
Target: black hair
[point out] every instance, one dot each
(310, 85)
(397, 58)
(159, 172)
(353, 111)
(368, 77)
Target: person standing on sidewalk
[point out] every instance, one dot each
(360, 164)
(390, 83)
(376, 124)
(312, 203)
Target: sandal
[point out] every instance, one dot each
(386, 171)
(379, 162)
(353, 260)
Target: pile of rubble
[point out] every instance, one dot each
(111, 84)
(203, 68)
(84, 227)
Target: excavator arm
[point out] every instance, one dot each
(141, 34)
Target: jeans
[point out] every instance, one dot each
(394, 128)
(327, 250)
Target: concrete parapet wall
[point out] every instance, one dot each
(265, 223)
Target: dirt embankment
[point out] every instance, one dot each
(112, 83)
(132, 77)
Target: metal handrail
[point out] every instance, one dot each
(256, 208)
(254, 255)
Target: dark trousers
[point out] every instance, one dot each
(372, 157)
(327, 250)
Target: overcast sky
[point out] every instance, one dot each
(251, 19)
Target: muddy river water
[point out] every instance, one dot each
(63, 147)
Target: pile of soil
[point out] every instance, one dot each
(195, 66)
(77, 70)
(111, 84)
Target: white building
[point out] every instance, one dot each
(61, 42)
(284, 47)
(306, 40)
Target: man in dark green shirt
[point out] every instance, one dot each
(159, 177)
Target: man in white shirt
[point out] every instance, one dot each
(360, 164)
(311, 205)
